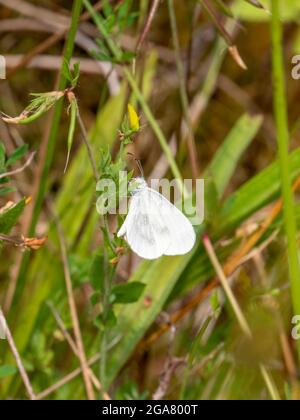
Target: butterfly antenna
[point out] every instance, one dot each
(138, 162)
(139, 165)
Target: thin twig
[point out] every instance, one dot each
(53, 62)
(88, 146)
(74, 315)
(20, 169)
(72, 375)
(147, 26)
(225, 34)
(18, 360)
(227, 289)
(73, 346)
(170, 367)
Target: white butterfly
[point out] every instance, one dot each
(154, 226)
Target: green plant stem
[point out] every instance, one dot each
(108, 279)
(192, 150)
(280, 108)
(51, 143)
(210, 10)
(87, 145)
(140, 97)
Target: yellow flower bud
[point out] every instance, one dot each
(133, 118)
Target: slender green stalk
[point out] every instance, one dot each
(183, 93)
(139, 95)
(280, 108)
(51, 143)
(108, 280)
(85, 138)
(227, 289)
(269, 383)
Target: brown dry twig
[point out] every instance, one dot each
(29, 243)
(66, 379)
(170, 367)
(17, 358)
(233, 50)
(72, 345)
(74, 315)
(20, 169)
(147, 26)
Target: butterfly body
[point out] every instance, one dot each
(154, 226)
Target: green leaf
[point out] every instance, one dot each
(127, 293)
(9, 217)
(109, 322)
(290, 11)
(79, 268)
(7, 370)
(66, 71)
(124, 9)
(71, 76)
(72, 127)
(76, 74)
(214, 301)
(212, 203)
(17, 155)
(107, 9)
(95, 298)
(224, 162)
(127, 57)
(6, 190)
(111, 319)
(97, 273)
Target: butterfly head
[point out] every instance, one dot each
(138, 184)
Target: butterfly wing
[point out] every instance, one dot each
(143, 228)
(155, 227)
(182, 233)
